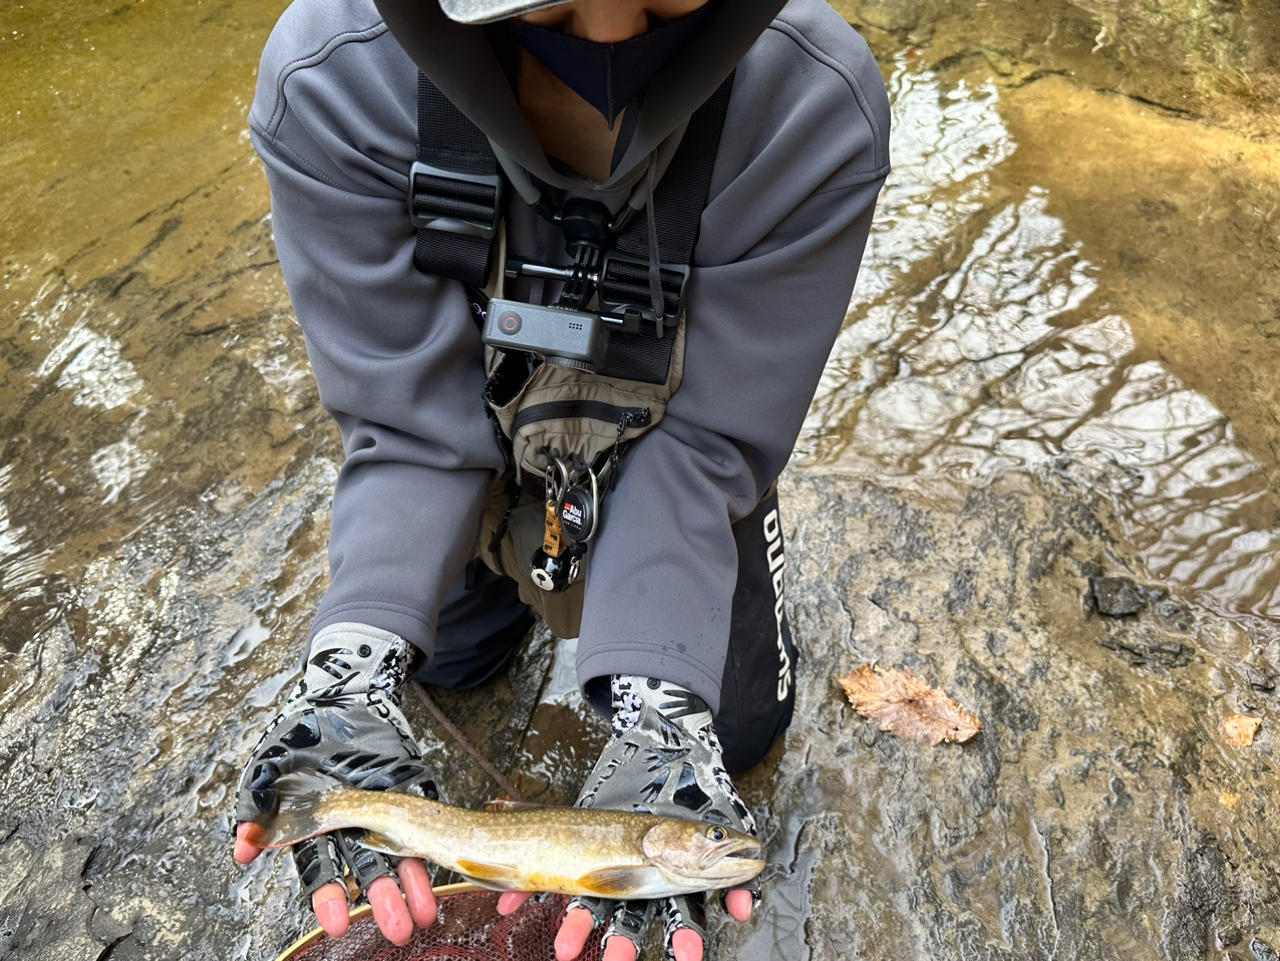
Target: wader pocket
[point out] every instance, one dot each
(571, 412)
(575, 412)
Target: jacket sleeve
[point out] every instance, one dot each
(396, 354)
(775, 265)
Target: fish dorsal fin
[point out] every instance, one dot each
(501, 877)
(506, 805)
(616, 882)
(380, 842)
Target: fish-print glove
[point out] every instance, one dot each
(664, 758)
(343, 719)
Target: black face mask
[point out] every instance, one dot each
(608, 75)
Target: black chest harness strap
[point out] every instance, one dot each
(457, 195)
(456, 192)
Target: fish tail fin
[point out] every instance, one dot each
(302, 810)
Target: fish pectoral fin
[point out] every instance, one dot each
(500, 877)
(380, 842)
(614, 882)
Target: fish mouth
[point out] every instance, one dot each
(743, 848)
(742, 863)
(737, 859)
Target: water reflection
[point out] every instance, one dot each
(944, 145)
(91, 364)
(1216, 34)
(978, 342)
(21, 566)
(564, 735)
(118, 465)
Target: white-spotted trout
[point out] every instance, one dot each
(611, 854)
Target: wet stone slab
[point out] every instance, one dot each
(1099, 814)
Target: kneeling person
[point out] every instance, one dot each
(701, 176)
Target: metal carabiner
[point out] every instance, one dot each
(556, 486)
(595, 504)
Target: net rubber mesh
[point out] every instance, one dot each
(469, 928)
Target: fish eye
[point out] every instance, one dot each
(716, 834)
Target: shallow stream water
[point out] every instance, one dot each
(1073, 282)
(1073, 276)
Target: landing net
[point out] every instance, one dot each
(469, 928)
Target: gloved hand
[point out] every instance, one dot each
(664, 758)
(344, 719)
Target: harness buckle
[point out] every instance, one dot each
(624, 293)
(455, 202)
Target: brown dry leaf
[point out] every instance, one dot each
(1240, 729)
(902, 704)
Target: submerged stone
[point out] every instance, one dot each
(1263, 679)
(893, 15)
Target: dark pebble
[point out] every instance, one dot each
(1117, 596)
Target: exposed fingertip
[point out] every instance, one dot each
(619, 948)
(509, 901)
(390, 911)
(738, 903)
(330, 906)
(572, 937)
(686, 945)
(417, 891)
(244, 852)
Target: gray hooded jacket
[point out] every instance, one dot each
(399, 361)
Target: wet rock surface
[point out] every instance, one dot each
(1098, 814)
(1059, 367)
(1213, 60)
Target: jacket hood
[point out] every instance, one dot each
(459, 59)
